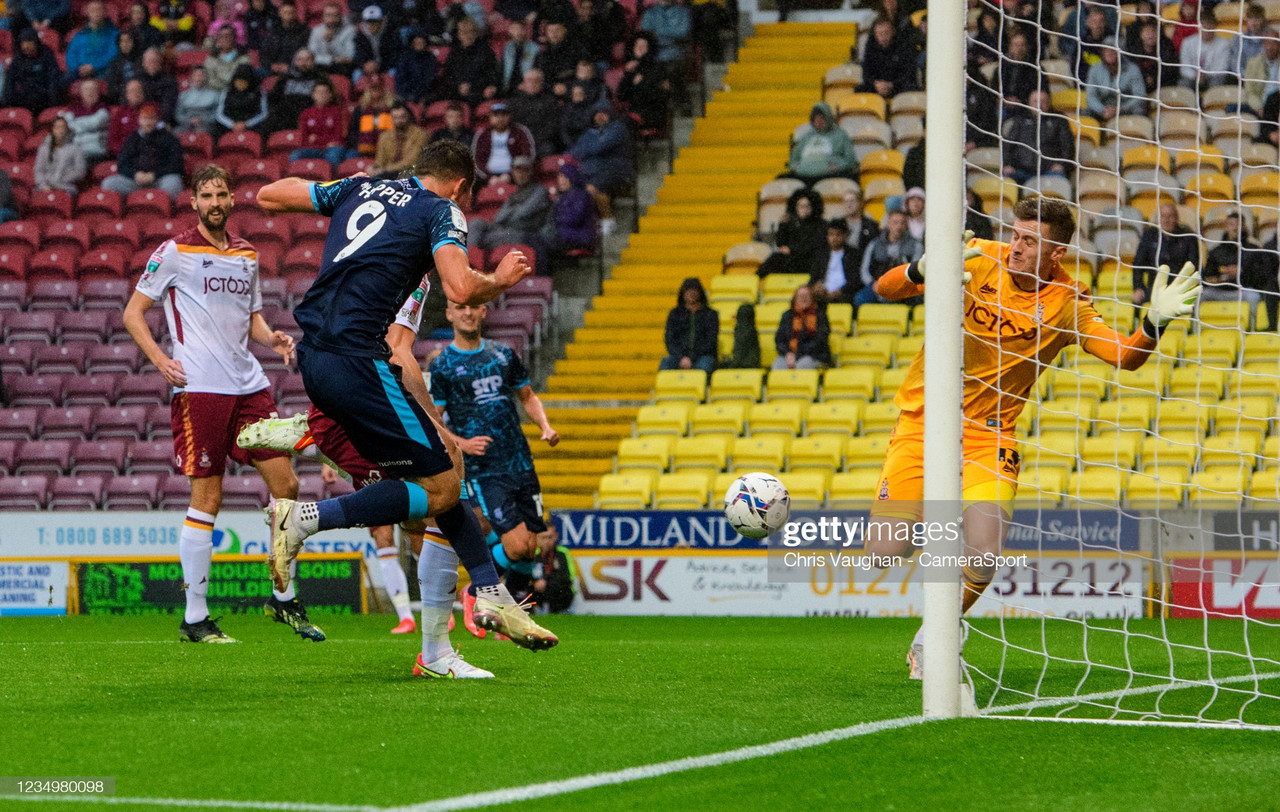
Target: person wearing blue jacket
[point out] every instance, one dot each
(93, 46)
(604, 153)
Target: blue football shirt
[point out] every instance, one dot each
(477, 390)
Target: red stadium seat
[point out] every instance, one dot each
(299, 284)
(247, 199)
(34, 390)
(132, 492)
(53, 294)
(531, 290)
(351, 166)
(305, 259)
(550, 166)
(156, 231)
(175, 492)
(13, 292)
(43, 456)
(260, 229)
(244, 492)
(490, 198)
(24, 492)
(99, 201)
(104, 170)
(66, 423)
(8, 455)
(10, 149)
(70, 233)
(310, 228)
(20, 233)
(18, 120)
(13, 267)
(151, 457)
(148, 203)
(512, 318)
(76, 492)
(283, 142)
(257, 171)
(19, 423)
(56, 263)
(197, 144)
(143, 389)
(30, 327)
(120, 421)
(59, 359)
(56, 203)
(106, 358)
(310, 168)
(96, 389)
(83, 326)
(184, 61)
(238, 145)
(109, 294)
(18, 357)
(121, 234)
(275, 292)
(269, 255)
(107, 262)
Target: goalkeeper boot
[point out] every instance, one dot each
(406, 626)
(286, 540)
(512, 620)
(468, 615)
(204, 631)
(290, 434)
(294, 615)
(450, 666)
(915, 661)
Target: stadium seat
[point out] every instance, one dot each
(149, 203)
(53, 294)
(881, 163)
(30, 327)
(764, 453)
(43, 456)
(664, 418)
(680, 384)
(842, 417)
(866, 452)
(733, 290)
(150, 456)
(883, 318)
(799, 384)
(112, 357)
(18, 358)
(132, 492)
(780, 287)
(129, 422)
(1100, 486)
(28, 492)
(1157, 488)
(874, 350)
(99, 456)
(1051, 450)
(1113, 449)
(95, 389)
(120, 234)
(629, 491)
(239, 145)
(50, 204)
(853, 490)
(69, 234)
(34, 390)
(1177, 415)
(706, 452)
(1197, 382)
(244, 492)
(823, 452)
(1041, 486)
(56, 263)
(686, 491)
(727, 417)
(783, 416)
(850, 383)
(19, 423)
(743, 259)
(66, 423)
(645, 452)
(1231, 449)
(808, 489)
(736, 384)
(13, 268)
(1218, 487)
(303, 260)
(1132, 412)
(79, 492)
(880, 417)
(1264, 488)
(840, 317)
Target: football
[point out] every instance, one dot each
(757, 505)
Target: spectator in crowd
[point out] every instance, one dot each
(512, 10)
(125, 65)
(693, 330)
(333, 41)
(644, 88)
(1155, 57)
(801, 239)
(825, 151)
(1268, 281)
(8, 206)
(292, 92)
(1248, 43)
(572, 224)
(988, 39)
(145, 35)
(892, 247)
(151, 158)
(1188, 23)
(576, 114)
(41, 15)
(377, 44)
(1234, 267)
(1144, 11)
(458, 10)
(837, 280)
(604, 153)
(322, 128)
(1078, 29)
(888, 62)
(416, 71)
(913, 207)
(1262, 76)
(913, 164)
(803, 339)
(975, 217)
(498, 144)
(92, 47)
(223, 61)
(710, 18)
(225, 15)
(521, 217)
(60, 165)
(176, 24)
(1037, 141)
(670, 23)
(860, 228)
(554, 11)
(243, 105)
(982, 110)
(1115, 88)
(558, 59)
(124, 117)
(470, 69)
(590, 32)
(32, 81)
(454, 128)
(537, 109)
(1207, 59)
(370, 118)
(585, 74)
(198, 104)
(280, 44)
(399, 146)
(746, 341)
(1099, 32)
(408, 15)
(260, 19)
(1168, 242)
(1019, 73)
(89, 120)
(158, 85)
(518, 57)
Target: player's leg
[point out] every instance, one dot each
(393, 577)
(991, 469)
(898, 498)
(438, 582)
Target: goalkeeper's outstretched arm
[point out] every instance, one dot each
(1171, 298)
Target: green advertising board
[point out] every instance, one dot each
(332, 583)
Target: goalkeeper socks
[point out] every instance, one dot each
(438, 582)
(394, 580)
(975, 583)
(387, 502)
(290, 593)
(460, 527)
(195, 551)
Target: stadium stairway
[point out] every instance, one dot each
(706, 205)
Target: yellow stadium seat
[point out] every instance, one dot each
(995, 192)
(891, 381)
(876, 190)
(875, 350)
(779, 287)
(1117, 314)
(680, 384)
(769, 315)
(709, 452)
(777, 191)
(733, 290)
(1147, 155)
(671, 417)
(1226, 315)
(1057, 449)
(1169, 452)
(1070, 99)
(1231, 449)
(1097, 485)
(742, 259)
(725, 417)
(808, 489)
(1114, 285)
(880, 417)
(736, 384)
(866, 452)
(1177, 415)
(792, 384)
(1198, 383)
(1260, 190)
(872, 104)
(1067, 414)
(1162, 487)
(766, 452)
(1067, 384)
(630, 491)
(908, 348)
(686, 491)
(1114, 449)
(653, 451)
(1248, 414)
(853, 490)
(1220, 486)
(1041, 486)
(840, 317)
(1264, 488)
(846, 76)
(850, 383)
(1254, 378)
(777, 417)
(841, 417)
(881, 163)
(1210, 188)
(1133, 412)
(883, 318)
(833, 190)
(1261, 347)
(720, 486)
(821, 451)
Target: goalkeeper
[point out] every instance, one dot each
(1020, 310)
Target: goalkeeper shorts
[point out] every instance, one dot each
(990, 473)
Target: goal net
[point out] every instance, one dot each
(1148, 503)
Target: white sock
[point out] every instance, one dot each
(290, 593)
(308, 518)
(195, 551)
(438, 581)
(497, 593)
(918, 640)
(394, 579)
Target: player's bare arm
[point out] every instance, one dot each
(136, 324)
(289, 195)
(538, 414)
(466, 285)
(278, 340)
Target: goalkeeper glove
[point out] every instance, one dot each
(915, 270)
(1172, 298)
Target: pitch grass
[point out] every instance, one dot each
(279, 719)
